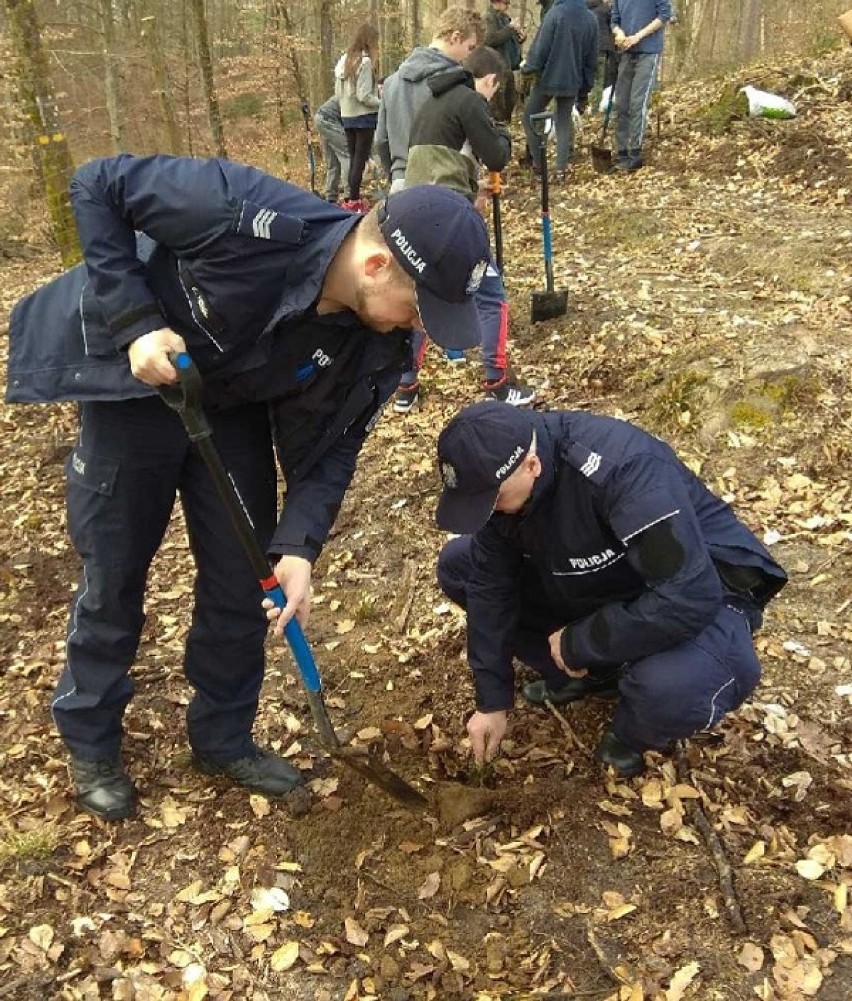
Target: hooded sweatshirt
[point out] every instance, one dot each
(359, 100)
(565, 51)
(451, 131)
(402, 95)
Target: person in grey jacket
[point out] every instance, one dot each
(456, 34)
(334, 148)
(637, 27)
(564, 59)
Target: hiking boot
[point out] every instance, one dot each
(575, 689)
(455, 357)
(103, 788)
(506, 390)
(262, 772)
(406, 398)
(631, 162)
(623, 759)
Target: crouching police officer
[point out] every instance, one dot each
(591, 553)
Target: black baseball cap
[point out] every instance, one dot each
(479, 448)
(441, 241)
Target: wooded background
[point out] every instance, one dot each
(84, 78)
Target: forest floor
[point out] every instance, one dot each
(711, 302)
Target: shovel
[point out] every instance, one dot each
(496, 191)
(602, 155)
(549, 304)
(185, 400)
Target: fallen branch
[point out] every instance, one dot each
(409, 583)
(714, 844)
(566, 726)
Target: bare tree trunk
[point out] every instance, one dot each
(326, 47)
(415, 24)
(391, 35)
(206, 65)
(288, 47)
(111, 79)
(156, 52)
(50, 147)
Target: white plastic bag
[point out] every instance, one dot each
(605, 100)
(762, 104)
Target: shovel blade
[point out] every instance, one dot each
(379, 775)
(601, 159)
(548, 305)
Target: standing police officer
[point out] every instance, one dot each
(287, 305)
(591, 553)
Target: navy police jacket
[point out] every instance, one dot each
(620, 543)
(233, 260)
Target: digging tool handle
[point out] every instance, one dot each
(185, 398)
(496, 191)
(546, 235)
(607, 113)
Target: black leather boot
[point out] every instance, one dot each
(103, 788)
(625, 761)
(574, 689)
(262, 772)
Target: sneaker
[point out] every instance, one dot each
(559, 176)
(103, 788)
(406, 398)
(355, 205)
(455, 357)
(626, 762)
(575, 689)
(508, 391)
(262, 772)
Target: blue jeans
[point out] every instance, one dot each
(493, 312)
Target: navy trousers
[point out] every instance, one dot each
(668, 695)
(131, 460)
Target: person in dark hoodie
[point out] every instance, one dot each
(505, 35)
(588, 550)
(451, 133)
(564, 58)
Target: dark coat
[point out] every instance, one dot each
(602, 9)
(565, 51)
(238, 261)
(454, 116)
(620, 542)
(501, 36)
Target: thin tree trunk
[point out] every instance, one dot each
(156, 53)
(50, 147)
(206, 65)
(326, 47)
(111, 79)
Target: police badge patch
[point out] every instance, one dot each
(476, 275)
(448, 475)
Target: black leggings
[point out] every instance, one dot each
(360, 142)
